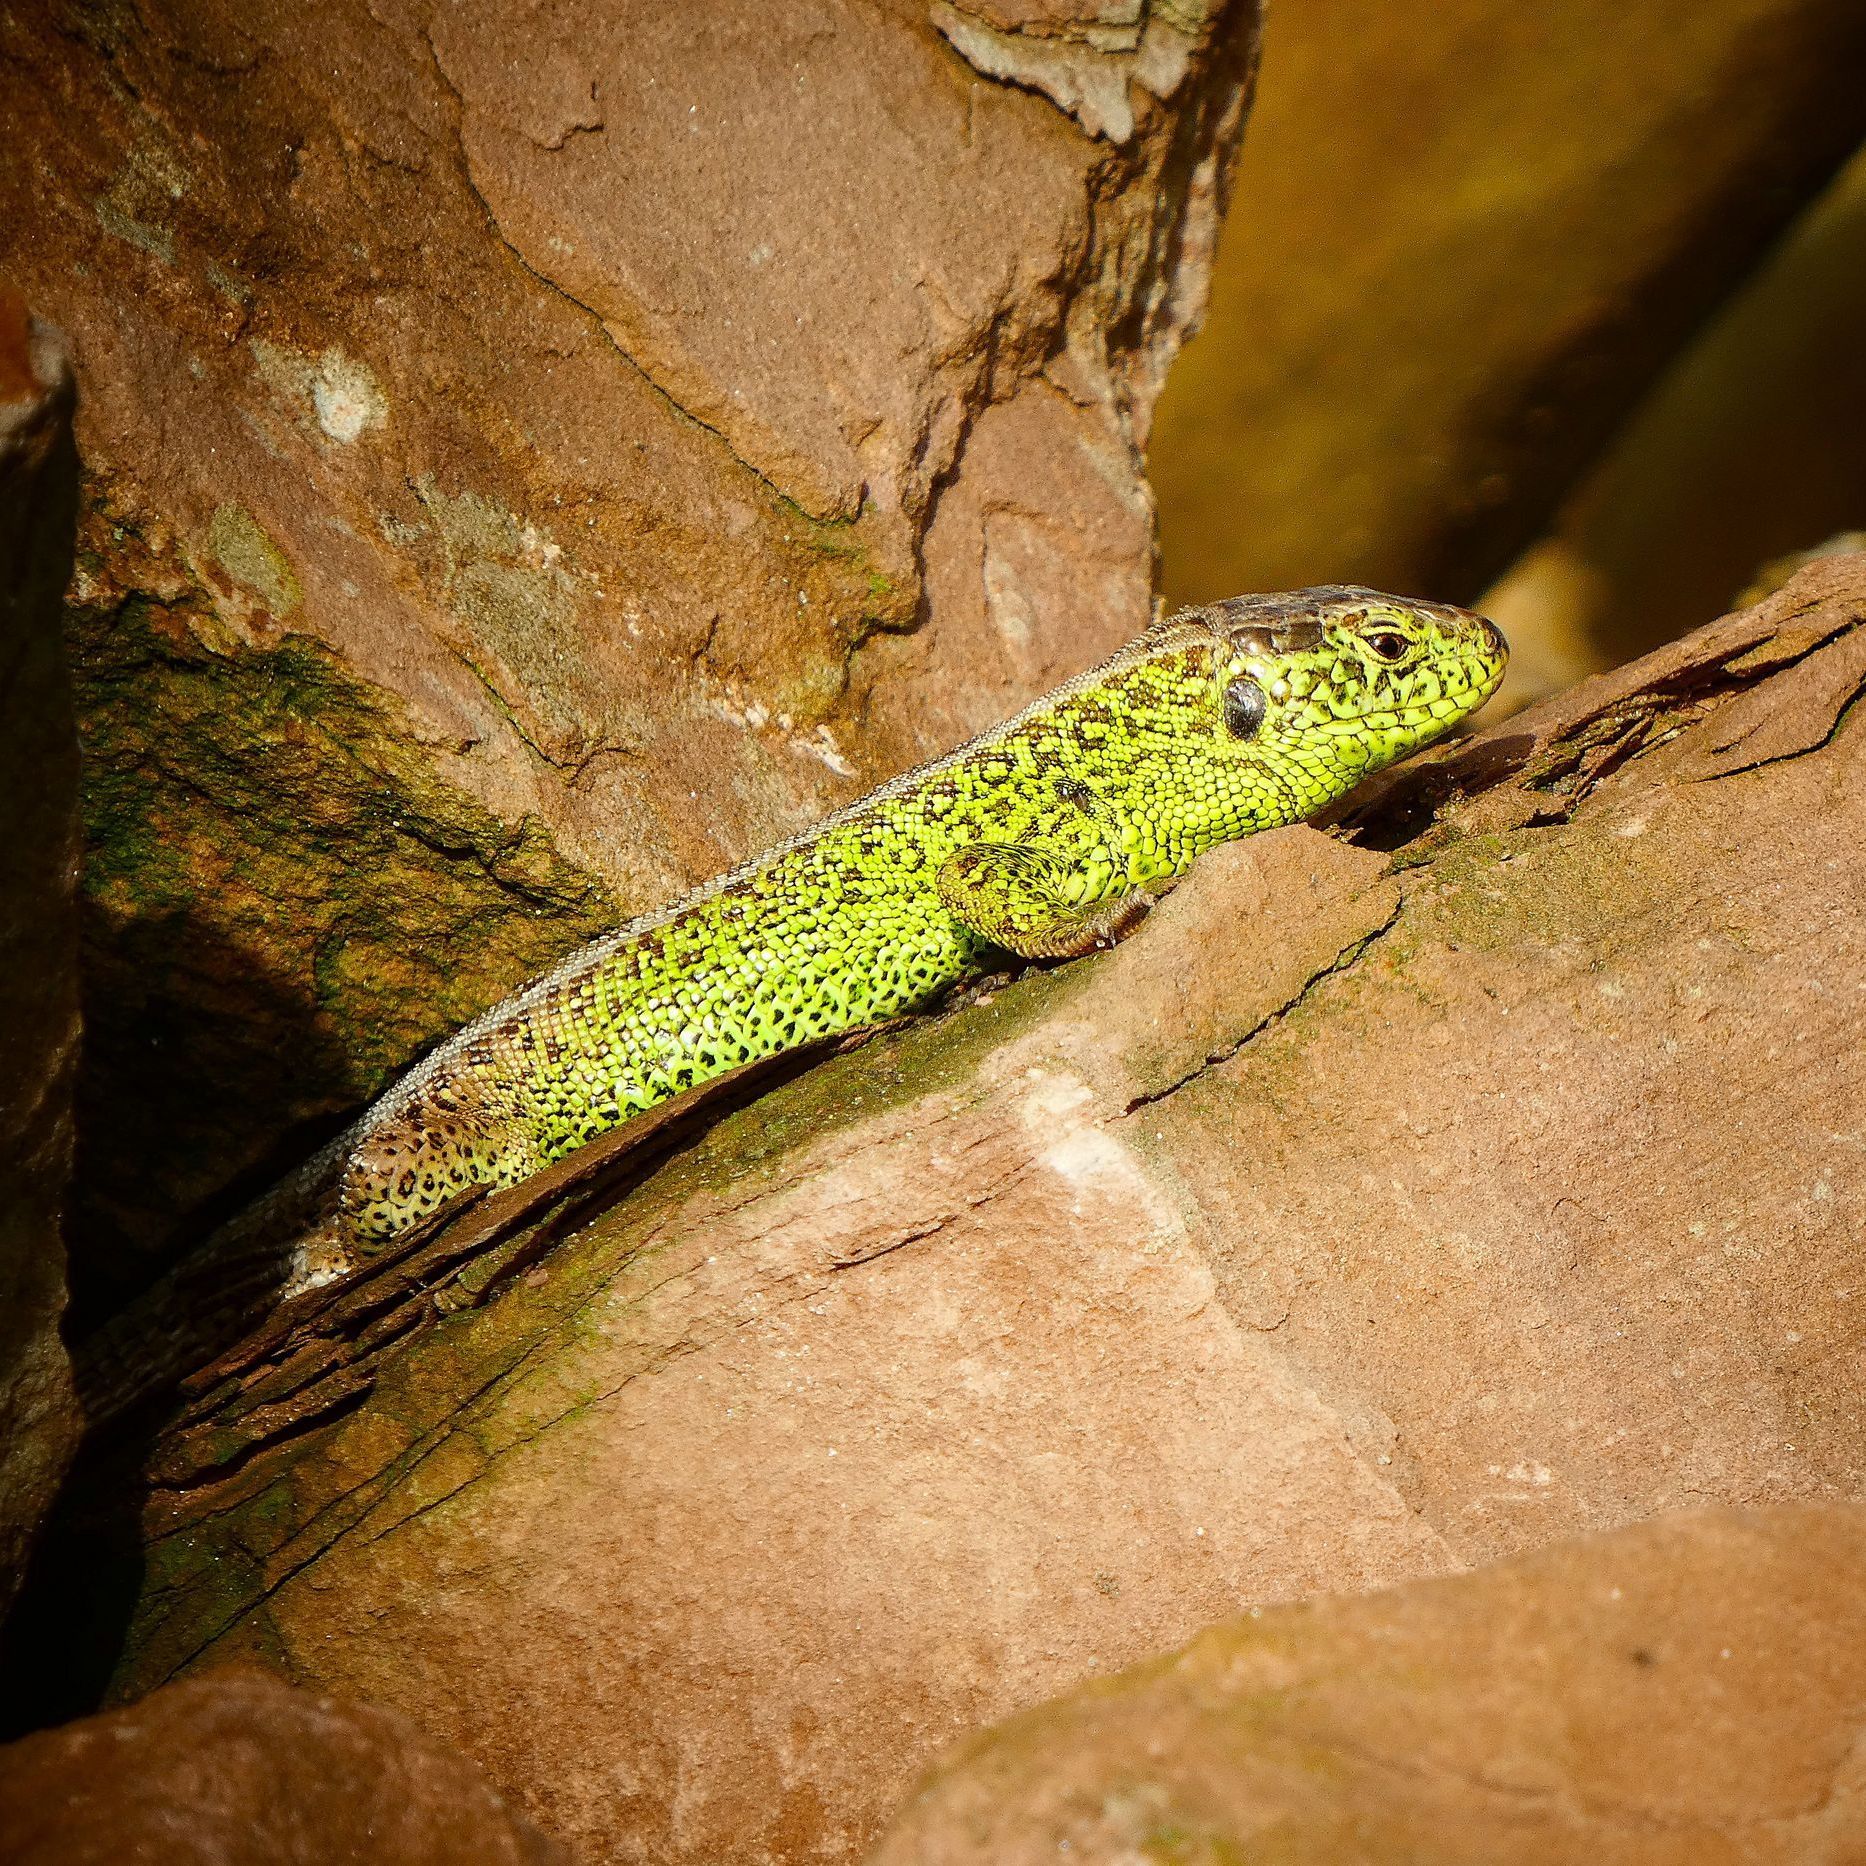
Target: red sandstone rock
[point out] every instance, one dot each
(1362, 1218)
(235, 1769)
(506, 427)
(1680, 1693)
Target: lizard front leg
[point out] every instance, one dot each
(1017, 897)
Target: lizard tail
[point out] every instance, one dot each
(387, 1175)
(440, 1138)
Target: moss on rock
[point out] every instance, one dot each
(283, 904)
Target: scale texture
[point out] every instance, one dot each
(1040, 837)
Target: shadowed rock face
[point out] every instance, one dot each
(503, 427)
(1668, 1695)
(235, 1769)
(1751, 449)
(1376, 1210)
(38, 925)
(1475, 235)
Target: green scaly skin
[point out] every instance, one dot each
(1040, 837)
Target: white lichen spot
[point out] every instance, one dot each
(1097, 1166)
(1050, 1096)
(1528, 1472)
(1007, 603)
(333, 392)
(821, 745)
(346, 397)
(732, 706)
(1091, 1160)
(727, 701)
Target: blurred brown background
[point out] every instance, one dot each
(1559, 308)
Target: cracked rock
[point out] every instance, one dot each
(1389, 1203)
(504, 427)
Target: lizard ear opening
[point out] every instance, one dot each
(1244, 708)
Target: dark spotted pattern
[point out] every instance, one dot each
(1032, 835)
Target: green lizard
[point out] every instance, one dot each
(1039, 838)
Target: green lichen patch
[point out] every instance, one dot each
(514, 593)
(243, 549)
(876, 599)
(1541, 889)
(1194, 1843)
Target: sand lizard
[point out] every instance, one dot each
(1039, 837)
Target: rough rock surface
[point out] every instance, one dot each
(235, 1769)
(505, 425)
(1376, 1210)
(1683, 1693)
(1476, 232)
(38, 925)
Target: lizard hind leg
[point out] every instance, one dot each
(439, 1146)
(1017, 897)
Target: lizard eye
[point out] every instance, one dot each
(1244, 708)
(1388, 645)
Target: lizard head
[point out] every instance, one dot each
(1324, 686)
